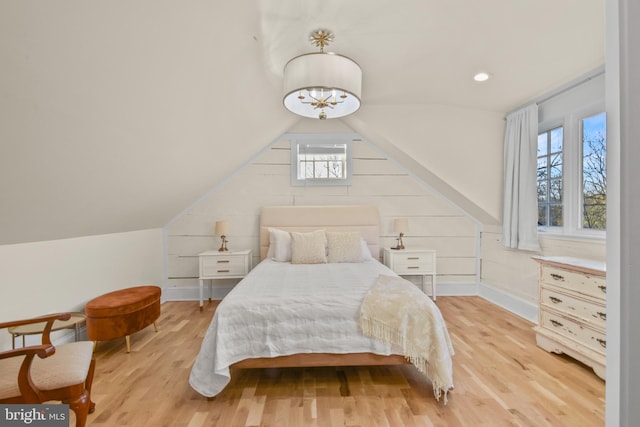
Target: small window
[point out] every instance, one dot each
(594, 172)
(550, 178)
(321, 162)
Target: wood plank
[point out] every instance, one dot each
(501, 379)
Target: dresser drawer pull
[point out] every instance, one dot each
(556, 323)
(555, 300)
(223, 271)
(413, 267)
(555, 276)
(602, 315)
(223, 261)
(603, 288)
(413, 257)
(602, 342)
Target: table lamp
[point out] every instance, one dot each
(400, 225)
(222, 228)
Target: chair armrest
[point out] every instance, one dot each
(42, 351)
(28, 390)
(49, 319)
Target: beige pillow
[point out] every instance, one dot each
(279, 245)
(344, 246)
(308, 248)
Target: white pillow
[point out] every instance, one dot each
(344, 246)
(366, 253)
(308, 248)
(279, 245)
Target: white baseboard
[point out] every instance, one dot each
(517, 306)
(454, 289)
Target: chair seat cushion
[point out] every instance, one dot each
(68, 366)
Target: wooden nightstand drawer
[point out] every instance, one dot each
(222, 266)
(413, 262)
(232, 265)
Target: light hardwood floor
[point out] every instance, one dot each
(501, 379)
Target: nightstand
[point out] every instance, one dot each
(413, 262)
(222, 265)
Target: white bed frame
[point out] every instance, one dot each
(362, 218)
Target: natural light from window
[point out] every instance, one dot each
(594, 172)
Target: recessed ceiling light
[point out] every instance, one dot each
(481, 77)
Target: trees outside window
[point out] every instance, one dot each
(550, 162)
(594, 172)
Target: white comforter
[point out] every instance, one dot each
(281, 309)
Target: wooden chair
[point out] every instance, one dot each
(62, 373)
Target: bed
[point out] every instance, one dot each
(302, 312)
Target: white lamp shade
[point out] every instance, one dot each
(322, 71)
(400, 225)
(222, 228)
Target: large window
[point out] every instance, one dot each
(594, 172)
(572, 176)
(550, 178)
(321, 161)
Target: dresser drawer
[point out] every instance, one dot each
(417, 263)
(595, 286)
(221, 266)
(573, 305)
(589, 337)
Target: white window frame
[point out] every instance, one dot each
(320, 139)
(543, 129)
(572, 173)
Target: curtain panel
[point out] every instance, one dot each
(520, 214)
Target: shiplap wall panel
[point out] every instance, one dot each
(514, 271)
(434, 221)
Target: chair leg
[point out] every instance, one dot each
(80, 406)
(88, 383)
(127, 339)
(155, 326)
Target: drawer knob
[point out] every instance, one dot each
(602, 342)
(555, 300)
(223, 271)
(555, 276)
(602, 315)
(603, 288)
(556, 323)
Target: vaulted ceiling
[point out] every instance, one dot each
(116, 115)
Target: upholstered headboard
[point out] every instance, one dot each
(362, 218)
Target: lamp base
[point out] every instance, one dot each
(223, 245)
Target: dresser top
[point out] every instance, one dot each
(580, 264)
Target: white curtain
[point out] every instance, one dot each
(520, 214)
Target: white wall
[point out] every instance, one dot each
(62, 275)
(514, 272)
(434, 221)
(461, 146)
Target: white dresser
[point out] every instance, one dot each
(573, 316)
(222, 265)
(413, 262)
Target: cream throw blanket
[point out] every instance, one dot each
(396, 312)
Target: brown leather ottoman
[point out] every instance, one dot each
(121, 313)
